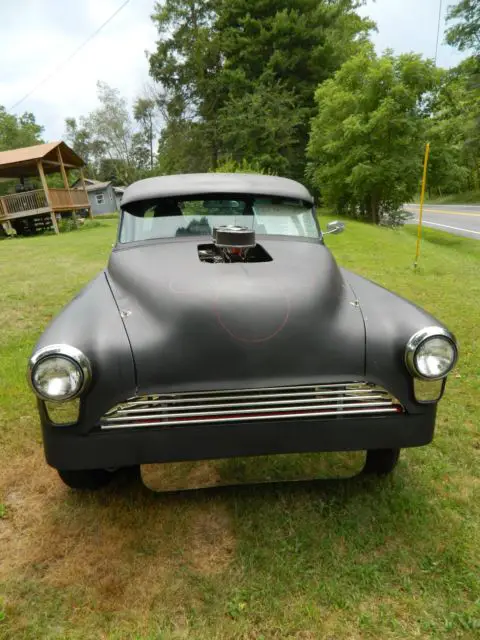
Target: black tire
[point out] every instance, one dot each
(85, 479)
(381, 462)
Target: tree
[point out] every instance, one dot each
(465, 33)
(18, 131)
(367, 138)
(108, 140)
(144, 111)
(80, 138)
(261, 127)
(454, 131)
(213, 55)
(183, 148)
(465, 82)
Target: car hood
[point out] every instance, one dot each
(195, 325)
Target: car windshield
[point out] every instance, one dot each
(171, 217)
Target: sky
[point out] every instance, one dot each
(38, 37)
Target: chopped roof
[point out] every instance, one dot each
(210, 183)
(23, 162)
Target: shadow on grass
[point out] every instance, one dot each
(440, 238)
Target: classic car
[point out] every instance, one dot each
(222, 327)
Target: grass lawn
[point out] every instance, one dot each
(363, 558)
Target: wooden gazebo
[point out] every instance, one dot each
(37, 161)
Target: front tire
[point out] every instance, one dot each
(85, 479)
(381, 462)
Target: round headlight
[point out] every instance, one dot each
(59, 372)
(431, 353)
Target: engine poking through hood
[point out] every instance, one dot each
(233, 244)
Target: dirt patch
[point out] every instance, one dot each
(119, 548)
(212, 540)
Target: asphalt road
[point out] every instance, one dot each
(460, 219)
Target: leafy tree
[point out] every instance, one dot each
(262, 127)
(464, 110)
(108, 140)
(183, 148)
(454, 131)
(145, 112)
(465, 33)
(367, 138)
(18, 131)
(80, 138)
(216, 55)
(300, 42)
(229, 165)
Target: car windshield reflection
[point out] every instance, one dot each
(169, 218)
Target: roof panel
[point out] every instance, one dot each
(209, 183)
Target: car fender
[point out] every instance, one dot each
(390, 321)
(91, 322)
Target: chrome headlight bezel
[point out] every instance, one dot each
(417, 340)
(67, 352)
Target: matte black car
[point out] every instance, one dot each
(222, 326)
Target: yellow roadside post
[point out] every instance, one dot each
(422, 198)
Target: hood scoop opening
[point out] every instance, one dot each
(232, 244)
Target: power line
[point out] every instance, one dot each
(60, 66)
(438, 29)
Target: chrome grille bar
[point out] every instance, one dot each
(299, 404)
(357, 394)
(270, 403)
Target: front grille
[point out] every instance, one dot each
(242, 405)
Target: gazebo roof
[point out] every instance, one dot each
(19, 163)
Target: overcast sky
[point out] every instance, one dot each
(37, 36)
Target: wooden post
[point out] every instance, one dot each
(3, 205)
(65, 183)
(47, 194)
(82, 178)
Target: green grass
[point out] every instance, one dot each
(360, 558)
(466, 197)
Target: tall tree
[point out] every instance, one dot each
(261, 127)
(367, 138)
(215, 54)
(464, 33)
(80, 137)
(108, 139)
(454, 131)
(144, 112)
(183, 148)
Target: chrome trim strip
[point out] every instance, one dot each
(417, 339)
(265, 405)
(260, 411)
(311, 387)
(163, 399)
(318, 414)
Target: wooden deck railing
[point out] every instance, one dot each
(63, 199)
(28, 201)
(79, 197)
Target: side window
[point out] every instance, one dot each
(100, 198)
